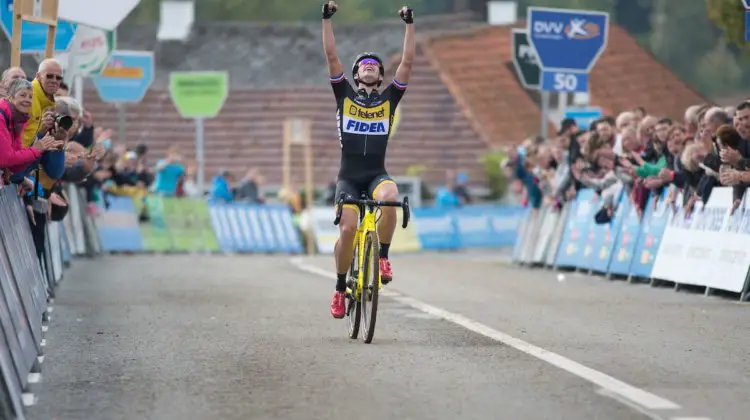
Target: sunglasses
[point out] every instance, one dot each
(53, 77)
(369, 62)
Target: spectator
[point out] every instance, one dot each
(460, 189)
(221, 188)
(291, 197)
(8, 76)
(63, 90)
(14, 109)
(742, 120)
(248, 189)
(446, 197)
(169, 171)
(520, 169)
(691, 119)
(640, 113)
(45, 85)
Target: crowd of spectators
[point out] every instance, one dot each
(46, 138)
(637, 154)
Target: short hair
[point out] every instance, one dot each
(640, 109)
(18, 85)
(743, 106)
(691, 114)
(718, 115)
(10, 69)
(48, 62)
(627, 115)
(64, 85)
(665, 120)
(65, 105)
(728, 136)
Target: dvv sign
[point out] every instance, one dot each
(568, 43)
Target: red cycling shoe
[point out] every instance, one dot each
(386, 275)
(338, 305)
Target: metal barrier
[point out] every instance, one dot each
(662, 245)
(26, 284)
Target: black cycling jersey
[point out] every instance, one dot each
(364, 125)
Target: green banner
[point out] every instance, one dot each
(177, 225)
(199, 94)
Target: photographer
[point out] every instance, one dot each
(47, 200)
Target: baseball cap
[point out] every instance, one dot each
(565, 125)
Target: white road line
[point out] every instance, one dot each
(636, 395)
(689, 418)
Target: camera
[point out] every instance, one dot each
(64, 121)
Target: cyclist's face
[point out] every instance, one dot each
(369, 70)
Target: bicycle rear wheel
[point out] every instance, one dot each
(371, 280)
(353, 308)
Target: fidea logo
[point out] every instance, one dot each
(361, 127)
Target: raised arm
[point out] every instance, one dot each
(407, 58)
(335, 68)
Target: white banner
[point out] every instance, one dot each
(711, 248)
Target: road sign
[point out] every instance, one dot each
(126, 77)
(199, 94)
(34, 35)
(564, 81)
(584, 116)
(524, 59)
(89, 52)
(747, 25)
(568, 43)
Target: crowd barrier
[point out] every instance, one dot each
(193, 225)
(709, 248)
(432, 228)
(26, 285)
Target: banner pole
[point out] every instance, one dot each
(15, 54)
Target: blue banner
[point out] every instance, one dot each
(624, 249)
(571, 252)
(118, 226)
(654, 222)
(480, 226)
(488, 226)
(604, 237)
(255, 228)
(436, 229)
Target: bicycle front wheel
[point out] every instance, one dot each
(371, 283)
(353, 305)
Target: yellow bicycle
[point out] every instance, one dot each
(363, 284)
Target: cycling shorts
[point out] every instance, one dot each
(354, 188)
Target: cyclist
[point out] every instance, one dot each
(364, 118)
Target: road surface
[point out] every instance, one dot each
(207, 337)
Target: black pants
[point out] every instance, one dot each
(38, 233)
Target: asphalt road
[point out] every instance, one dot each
(199, 337)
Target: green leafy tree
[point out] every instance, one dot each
(721, 82)
(729, 16)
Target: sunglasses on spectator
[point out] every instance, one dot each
(53, 77)
(369, 62)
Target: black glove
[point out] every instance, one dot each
(407, 15)
(328, 10)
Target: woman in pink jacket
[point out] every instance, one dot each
(14, 111)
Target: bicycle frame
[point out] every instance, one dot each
(367, 224)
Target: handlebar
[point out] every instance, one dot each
(364, 202)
